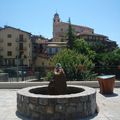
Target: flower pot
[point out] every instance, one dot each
(106, 83)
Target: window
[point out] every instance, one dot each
(20, 46)
(50, 50)
(21, 37)
(9, 44)
(21, 55)
(9, 53)
(56, 50)
(9, 35)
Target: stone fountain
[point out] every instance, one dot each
(57, 101)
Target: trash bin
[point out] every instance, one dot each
(106, 83)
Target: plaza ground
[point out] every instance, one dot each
(109, 106)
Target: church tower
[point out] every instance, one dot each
(56, 23)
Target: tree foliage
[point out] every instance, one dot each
(101, 46)
(75, 65)
(108, 63)
(70, 36)
(82, 47)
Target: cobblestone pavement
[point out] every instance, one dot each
(109, 106)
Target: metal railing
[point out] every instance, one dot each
(36, 76)
(21, 40)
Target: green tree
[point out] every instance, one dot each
(102, 46)
(75, 65)
(108, 63)
(70, 36)
(82, 47)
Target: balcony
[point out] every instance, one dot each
(21, 40)
(21, 49)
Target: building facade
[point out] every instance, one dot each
(15, 47)
(54, 47)
(18, 47)
(97, 39)
(60, 30)
(39, 51)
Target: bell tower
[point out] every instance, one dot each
(56, 18)
(56, 23)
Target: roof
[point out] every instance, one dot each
(56, 14)
(56, 44)
(94, 34)
(77, 25)
(5, 27)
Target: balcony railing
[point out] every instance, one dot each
(21, 40)
(21, 49)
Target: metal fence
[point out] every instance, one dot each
(11, 76)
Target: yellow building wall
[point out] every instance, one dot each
(14, 48)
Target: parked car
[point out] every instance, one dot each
(27, 71)
(22, 70)
(20, 73)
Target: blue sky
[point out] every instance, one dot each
(36, 16)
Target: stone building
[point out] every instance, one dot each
(60, 30)
(98, 39)
(43, 49)
(15, 47)
(18, 47)
(54, 47)
(39, 51)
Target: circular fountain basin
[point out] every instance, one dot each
(36, 103)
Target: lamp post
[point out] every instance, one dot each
(22, 60)
(17, 68)
(17, 61)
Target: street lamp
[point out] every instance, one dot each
(22, 60)
(17, 61)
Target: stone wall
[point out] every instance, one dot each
(58, 107)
